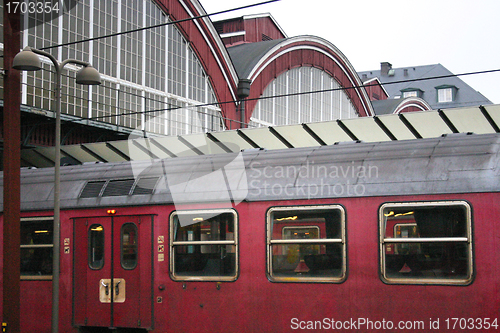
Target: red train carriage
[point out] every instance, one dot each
(398, 236)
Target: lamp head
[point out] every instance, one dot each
(27, 60)
(88, 75)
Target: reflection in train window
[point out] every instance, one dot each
(306, 244)
(426, 243)
(203, 245)
(129, 246)
(96, 246)
(36, 248)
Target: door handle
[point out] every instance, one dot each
(117, 288)
(106, 288)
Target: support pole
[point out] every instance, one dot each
(11, 164)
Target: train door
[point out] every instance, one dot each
(112, 282)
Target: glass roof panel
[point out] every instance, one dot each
(330, 132)
(469, 120)
(396, 127)
(174, 145)
(77, 152)
(102, 150)
(297, 136)
(494, 112)
(428, 124)
(130, 149)
(148, 145)
(231, 138)
(203, 144)
(34, 159)
(366, 129)
(264, 138)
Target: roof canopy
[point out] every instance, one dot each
(413, 125)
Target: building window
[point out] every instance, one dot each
(411, 92)
(446, 94)
(36, 248)
(136, 89)
(426, 243)
(203, 245)
(306, 244)
(294, 107)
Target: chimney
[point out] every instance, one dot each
(384, 68)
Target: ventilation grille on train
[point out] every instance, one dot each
(92, 189)
(145, 185)
(119, 187)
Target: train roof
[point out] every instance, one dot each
(454, 163)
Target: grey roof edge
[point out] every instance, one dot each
(449, 164)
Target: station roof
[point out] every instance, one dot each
(246, 56)
(406, 126)
(427, 79)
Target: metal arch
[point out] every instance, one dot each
(393, 127)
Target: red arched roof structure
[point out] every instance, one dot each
(262, 62)
(412, 104)
(400, 105)
(208, 46)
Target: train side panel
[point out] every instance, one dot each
(253, 303)
(280, 306)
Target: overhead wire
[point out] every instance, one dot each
(218, 104)
(302, 93)
(159, 25)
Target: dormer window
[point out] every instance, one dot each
(446, 93)
(411, 92)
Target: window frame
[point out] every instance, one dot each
(134, 246)
(468, 240)
(270, 242)
(37, 246)
(445, 89)
(91, 245)
(411, 92)
(234, 242)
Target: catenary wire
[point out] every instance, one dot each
(160, 25)
(233, 101)
(298, 93)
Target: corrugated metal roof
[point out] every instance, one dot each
(414, 125)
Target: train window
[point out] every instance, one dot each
(36, 248)
(129, 246)
(306, 244)
(96, 246)
(426, 243)
(203, 245)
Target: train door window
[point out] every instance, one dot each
(129, 246)
(36, 248)
(426, 243)
(96, 246)
(203, 245)
(306, 244)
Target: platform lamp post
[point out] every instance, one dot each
(28, 60)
